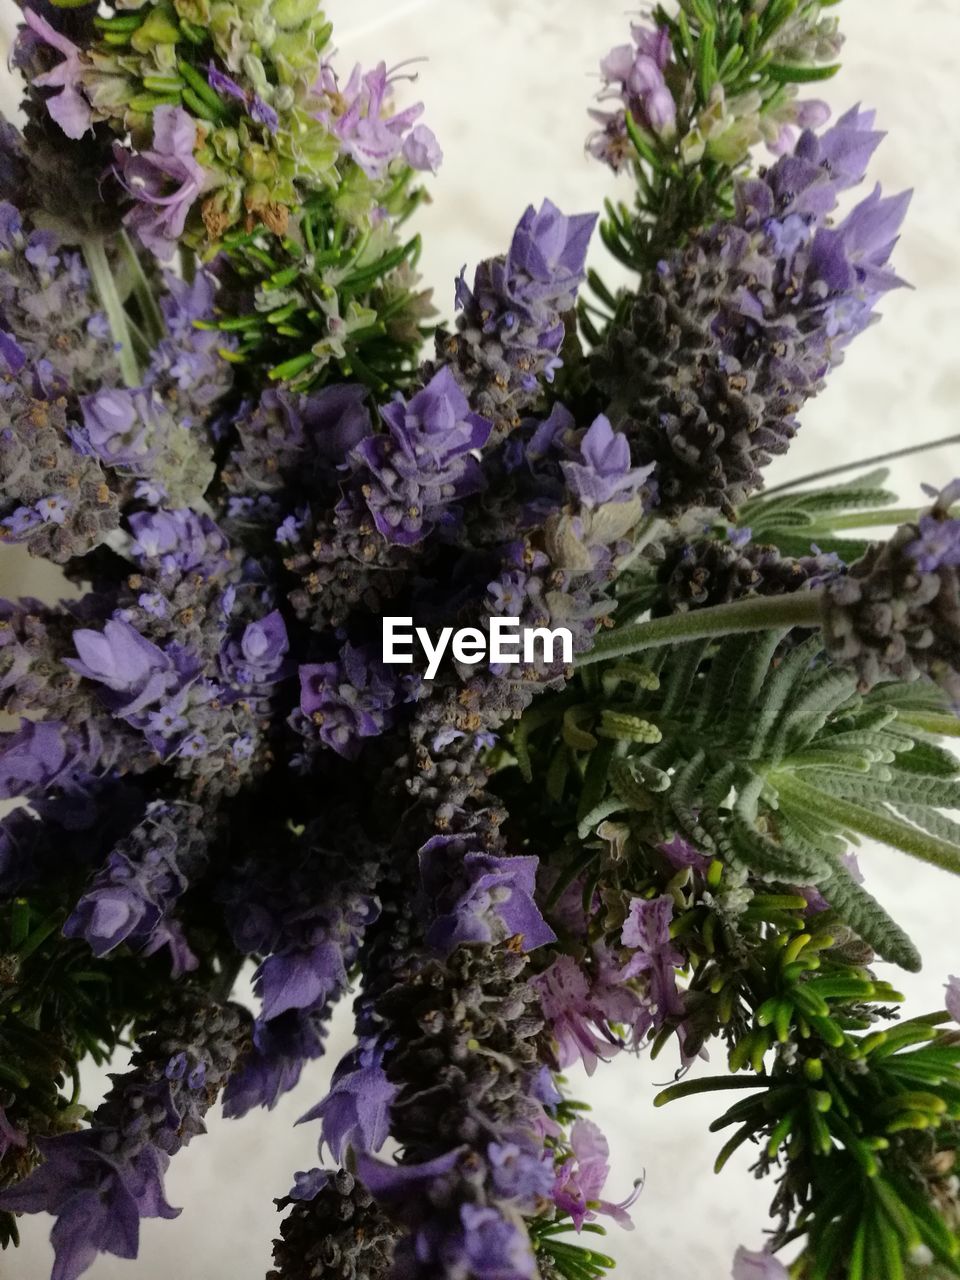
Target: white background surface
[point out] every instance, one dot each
(506, 87)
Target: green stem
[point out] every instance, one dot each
(879, 826)
(154, 327)
(870, 520)
(861, 464)
(801, 609)
(96, 259)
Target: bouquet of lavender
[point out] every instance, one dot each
(219, 419)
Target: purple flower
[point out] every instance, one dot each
(134, 671)
(300, 979)
(424, 464)
(337, 418)
(69, 107)
(356, 1111)
(110, 915)
(478, 897)
(43, 755)
(164, 182)
(580, 1179)
(604, 474)
(547, 255)
(491, 1247)
(634, 74)
(53, 510)
(259, 657)
(421, 149)
(116, 426)
(307, 1184)
(274, 1064)
(21, 522)
(952, 999)
(647, 930)
(939, 542)
(264, 114)
(581, 1009)
(141, 882)
(257, 109)
(98, 1198)
(368, 133)
(182, 542)
(681, 853)
(348, 700)
(401, 1187)
(521, 1173)
(757, 1266)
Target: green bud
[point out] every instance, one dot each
(291, 14)
(159, 27)
(196, 12)
(284, 97)
(259, 164)
(225, 144)
(294, 57)
(253, 69)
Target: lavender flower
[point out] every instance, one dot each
(480, 898)
(259, 656)
(891, 617)
(179, 543)
(133, 671)
(478, 1240)
(604, 473)
(35, 427)
(763, 307)
(425, 463)
(273, 1064)
(101, 1181)
(134, 431)
(509, 336)
(356, 1111)
(131, 896)
(348, 700)
(49, 309)
(43, 755)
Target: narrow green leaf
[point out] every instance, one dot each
(784, 74)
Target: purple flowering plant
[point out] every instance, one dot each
(228, 418)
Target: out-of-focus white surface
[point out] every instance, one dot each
(506, 84)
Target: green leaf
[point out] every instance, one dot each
(683, 671)
(865, 916)
(877, 823)
(808, 710)
(719, 681)
(750, 681)
(925, 758)
(778, 690)
(784, 74)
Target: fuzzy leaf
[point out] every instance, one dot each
(861, 911)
